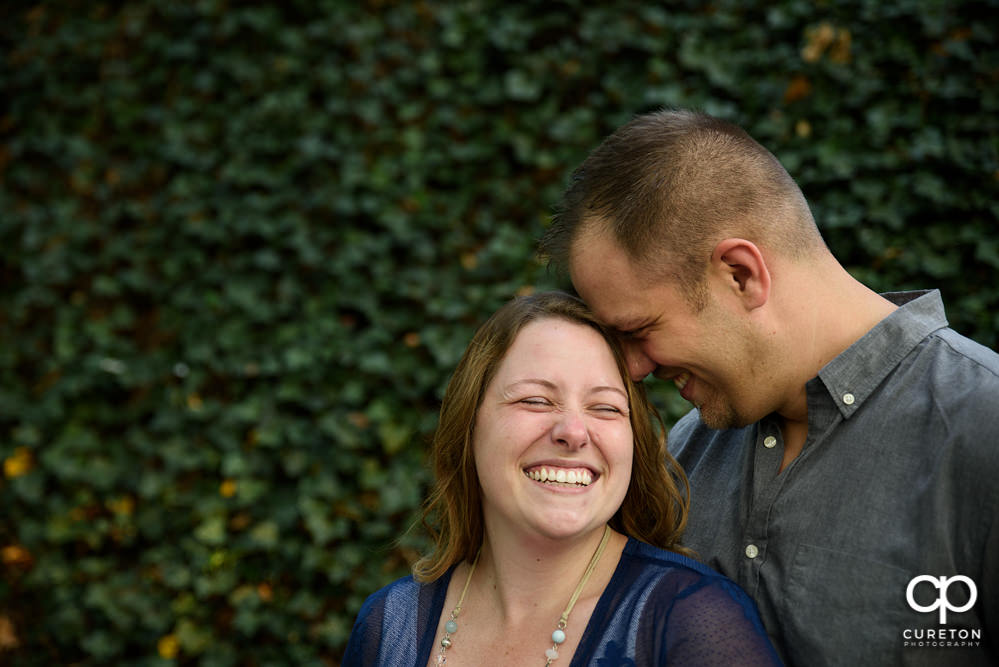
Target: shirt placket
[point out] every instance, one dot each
(768, 451)
(768, 480)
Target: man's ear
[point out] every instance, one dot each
(741, 265)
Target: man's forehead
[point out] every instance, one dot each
(603, 278)
(593, 235)
(594, 260)
(618, 310)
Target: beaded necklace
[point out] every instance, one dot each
(558, 636)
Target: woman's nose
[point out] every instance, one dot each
(570, 430)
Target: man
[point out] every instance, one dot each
(843, 452)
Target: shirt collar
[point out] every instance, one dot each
(853, 375)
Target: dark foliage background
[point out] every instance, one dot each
(243, 245)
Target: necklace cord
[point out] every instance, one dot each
(558, 636)
(586, 575)
(468, 580)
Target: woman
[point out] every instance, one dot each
(555, 520)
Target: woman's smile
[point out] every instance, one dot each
(560, 476)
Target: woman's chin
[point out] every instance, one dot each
(567, 528)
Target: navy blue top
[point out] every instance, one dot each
(659, 608)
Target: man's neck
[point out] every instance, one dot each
(837, 311)
(795, 433)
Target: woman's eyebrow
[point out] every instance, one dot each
(548, 384)
(544, 383)
(620, 391)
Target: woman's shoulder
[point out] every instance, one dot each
(667, 561)
(389, 602)
(401, 611)
(673, 573)
(687, 610)
(402, 593)
(401, 588)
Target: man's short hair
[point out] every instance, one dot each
(669, 185)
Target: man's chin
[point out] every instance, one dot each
(720, 419)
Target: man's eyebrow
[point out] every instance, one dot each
(630, 325)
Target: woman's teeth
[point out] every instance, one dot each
(561, 476)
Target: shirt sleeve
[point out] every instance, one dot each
(714, 623)
(990, 584)
(366, 635)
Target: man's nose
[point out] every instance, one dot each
(639, 364)
(570, 430)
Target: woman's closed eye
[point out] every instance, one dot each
(535, 401)
(602, 409)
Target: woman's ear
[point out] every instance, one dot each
(740, 264)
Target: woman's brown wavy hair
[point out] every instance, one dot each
(655, 506)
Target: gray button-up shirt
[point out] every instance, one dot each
(898, 478)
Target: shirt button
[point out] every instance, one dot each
(769, 442)
(848, 399)
(752, 551)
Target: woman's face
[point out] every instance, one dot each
(553, 440)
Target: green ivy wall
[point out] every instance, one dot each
(242, 246)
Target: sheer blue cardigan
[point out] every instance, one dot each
(659, 608)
